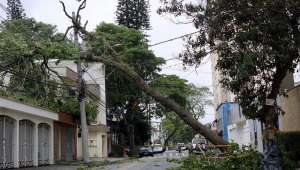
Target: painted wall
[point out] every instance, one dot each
(18, 116)
(291, 106)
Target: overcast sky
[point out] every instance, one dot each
(96, 11)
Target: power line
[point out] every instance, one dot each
(34, 92)
(159, 43)
(17, 73)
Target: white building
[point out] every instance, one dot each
(94, 77)
(26, 134)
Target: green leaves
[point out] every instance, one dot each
(254, 40)
(245, 157)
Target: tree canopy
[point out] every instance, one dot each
(25, 49)
(261, 38)
(15, 10)
(126, 97)
(133, 14)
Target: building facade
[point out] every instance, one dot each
(26, 134)
(94, 77)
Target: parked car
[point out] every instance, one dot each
(158, 148)
(181, 145)
(195, 149)
(145, 151)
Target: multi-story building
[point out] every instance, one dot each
(94, 77)
(231, 123)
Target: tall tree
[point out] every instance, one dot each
(116, 62)
(257, 42)
(125, 94)
(15, 9)
(198, 99)
(133, 14)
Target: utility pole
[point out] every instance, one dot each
(84, 133)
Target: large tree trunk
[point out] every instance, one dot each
(168, 138)
(131, 138)
(270, 116)
(165, 100)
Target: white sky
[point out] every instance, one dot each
(96, 11)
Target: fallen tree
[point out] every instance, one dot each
(116, 62)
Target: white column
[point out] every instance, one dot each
(36, 147)
(51, 149)
(16, 144)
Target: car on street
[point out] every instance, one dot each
(195, 149)
(181, 145)
(145, 151)
(158, 148)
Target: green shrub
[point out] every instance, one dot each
(287, 142)
(134, 155)
(250, 160)
(117, 150)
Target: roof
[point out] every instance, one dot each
(19, 106)
(27, 104)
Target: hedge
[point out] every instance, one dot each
(118, 150)
(289, 146)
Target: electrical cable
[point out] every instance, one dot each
(159, 43)
(43, 94)
(17, 73)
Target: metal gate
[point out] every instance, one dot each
(26, 143)
(6, 142)
(69, 144)
(44, 144)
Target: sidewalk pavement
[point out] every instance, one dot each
(73, 165)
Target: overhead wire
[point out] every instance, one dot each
(34, 92)
(159, 43)
(17, 73)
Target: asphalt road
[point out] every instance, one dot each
(157, 162)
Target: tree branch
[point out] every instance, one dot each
(64, 8)
(64, 35)
(80, 8)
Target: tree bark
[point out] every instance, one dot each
(131, 138)
(168, 138)
(165, 100)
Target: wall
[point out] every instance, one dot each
(18, 116)
(291, 106)
(218, 91)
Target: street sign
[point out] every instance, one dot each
(270, 102)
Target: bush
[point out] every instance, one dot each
(117, 150)
(245, 157)
(134, 155)
(290, 149)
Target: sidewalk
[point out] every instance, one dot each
(73, 165)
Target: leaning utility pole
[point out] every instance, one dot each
(84, 133)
